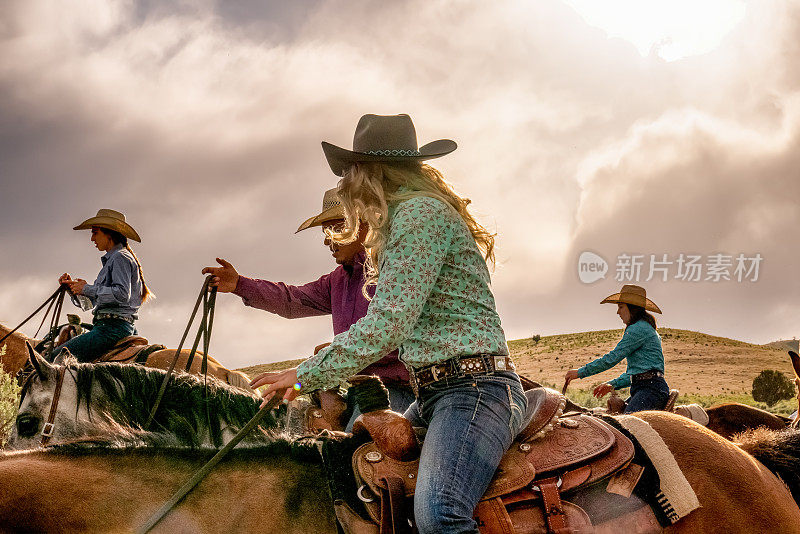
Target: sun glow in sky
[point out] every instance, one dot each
(671, 29)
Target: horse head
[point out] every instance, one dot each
(97, 400)
(39, 419)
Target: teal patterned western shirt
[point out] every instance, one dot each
(640, 344)
(432, 299)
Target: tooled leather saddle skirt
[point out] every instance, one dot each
(554, 458)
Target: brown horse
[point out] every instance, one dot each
(105, 490)
(732, 418)
(16, 356)
(85, 488)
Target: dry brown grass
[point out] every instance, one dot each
(696, 363)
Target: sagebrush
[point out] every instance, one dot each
(772, 386)
(9, 399)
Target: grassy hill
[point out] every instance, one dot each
(706, 369)
(786, 344)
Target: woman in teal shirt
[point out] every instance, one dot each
(427, 257)
(641, 346)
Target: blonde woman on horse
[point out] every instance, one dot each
(117, 292)
(641, 346)
(427, 257)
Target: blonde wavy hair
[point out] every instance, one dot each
(367, 189)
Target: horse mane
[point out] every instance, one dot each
(778, 450)
(126, 440)
(188, 408)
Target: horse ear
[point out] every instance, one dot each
(795, 362)
(41, 365)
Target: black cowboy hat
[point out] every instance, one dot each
(387, 138)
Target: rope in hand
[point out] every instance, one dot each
(204, 331)
(203, 471)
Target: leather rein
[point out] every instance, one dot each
(58, 298)
(49, 426)
(208, 297)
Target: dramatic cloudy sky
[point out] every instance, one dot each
(638, 127)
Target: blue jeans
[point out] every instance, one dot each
(651, 394)
(104, 334)
(471, 423)
(400, 398)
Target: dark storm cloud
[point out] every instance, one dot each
(202, 122)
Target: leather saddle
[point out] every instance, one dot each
(553, 457)
(130, 349)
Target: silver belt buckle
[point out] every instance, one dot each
(499, 363)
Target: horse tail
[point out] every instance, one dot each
(240, 380)
(779, 451)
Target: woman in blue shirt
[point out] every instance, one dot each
(115, 295)
(641, 346)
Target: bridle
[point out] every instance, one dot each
(49, 426)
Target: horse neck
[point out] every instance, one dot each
(16, 335)
(197, 417)
(42, 488)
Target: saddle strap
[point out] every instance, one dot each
(553, 509)
(393, 516)
(492, 517)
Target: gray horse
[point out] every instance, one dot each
(95, 400)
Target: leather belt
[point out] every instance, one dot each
(480, 364)
(647, 375)
(101, 316)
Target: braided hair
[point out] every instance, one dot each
(118, 239)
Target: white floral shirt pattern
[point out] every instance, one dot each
(432, 299)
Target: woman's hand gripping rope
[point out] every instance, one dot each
(276, 381)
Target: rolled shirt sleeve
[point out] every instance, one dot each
(420, 235)
(631, 340)
(288, 301)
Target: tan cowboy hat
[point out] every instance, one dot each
(110, 220)
(389, 138)
(630, 294)
(332, 210)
